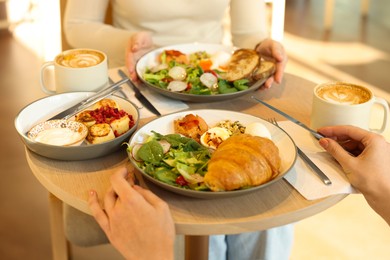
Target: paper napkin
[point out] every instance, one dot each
(303, 178)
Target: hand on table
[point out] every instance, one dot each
(139, 44)
(273, 50)
(368, 169)
(137, 223)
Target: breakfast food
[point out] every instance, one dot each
(99, 133)
(106, 102)
(241, 65)
(59, 132)
(105, 122)
(86, 118)
(203, 73)
(169, 55)
(257, 129)
(265, 70)
(192, 126)
(213, 137)
(242, 161)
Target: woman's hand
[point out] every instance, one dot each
(364, 157)
(139, 44)
(273, 50)
(137, 223)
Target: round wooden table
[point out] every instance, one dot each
(275, 205)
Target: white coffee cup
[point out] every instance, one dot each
(77, 70)
(342, 103)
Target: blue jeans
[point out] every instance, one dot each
(271, 244)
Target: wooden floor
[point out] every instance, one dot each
(355, 49)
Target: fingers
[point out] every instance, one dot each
(268, 82)
(280, 57)
(274, 50)
(148, 196)
(338, 152)
(98, 212)
(120, 184)
(141, 40)
(342, 133)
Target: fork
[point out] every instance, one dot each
(309, 162)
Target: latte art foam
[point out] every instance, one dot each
(344, 94)
(80, 59)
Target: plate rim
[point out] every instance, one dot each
(68, 150)
(192, 97)
(211, 194)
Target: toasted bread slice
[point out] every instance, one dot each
(265, 70)
(242, 64)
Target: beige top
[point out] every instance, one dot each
(274, 205)
(171, 22)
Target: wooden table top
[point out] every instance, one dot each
(275, 205)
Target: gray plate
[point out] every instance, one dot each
(38, 112)
(164, 125)
(150, 59)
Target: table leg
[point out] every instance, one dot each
(196, 247)
(60, 245)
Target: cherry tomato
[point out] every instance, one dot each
(181, 181)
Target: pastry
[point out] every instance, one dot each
(242, 161)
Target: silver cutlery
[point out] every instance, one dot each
(137, 93)
(314, 133)
(307, 160)
(110, 81)
(85, 103)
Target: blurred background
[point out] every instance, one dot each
(352, 45)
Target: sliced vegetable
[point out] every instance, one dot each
(177, 73)
(209, 80)
(177, 86)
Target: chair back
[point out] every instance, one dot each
(64, 43)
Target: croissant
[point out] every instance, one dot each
(242, 161)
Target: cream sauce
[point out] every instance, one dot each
(58, 136)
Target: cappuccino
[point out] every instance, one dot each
(344, 93)
(80, 58)
(76, 70)
(342, 103)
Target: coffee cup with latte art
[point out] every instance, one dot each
(76, 70)
(342, 103)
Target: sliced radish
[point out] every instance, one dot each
(208, 79)
(157, 68)
(134, 152)
(177, 86)
(177, 73)
(165, 145)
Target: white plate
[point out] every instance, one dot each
(150, 60)
(45, 108)
(164, 125)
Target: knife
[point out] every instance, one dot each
(137, 93)
(316, 135)
(85, 103)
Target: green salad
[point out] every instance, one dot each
(195, 75)
(173, 159)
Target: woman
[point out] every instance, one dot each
(140, 26)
